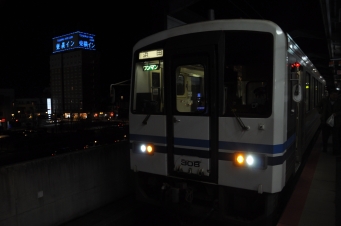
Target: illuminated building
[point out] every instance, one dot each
(74, 75)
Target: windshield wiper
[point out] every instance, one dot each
(146, 120)
(239, 120)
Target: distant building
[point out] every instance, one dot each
(6, 107)
(74, 75)
(29, 108)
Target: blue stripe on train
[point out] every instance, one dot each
(177, 141)
(258, 148)
(221, 155)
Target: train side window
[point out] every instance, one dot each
(313, 93)
(316, 92)
(307, 92)
(148, 96)
(190, 90)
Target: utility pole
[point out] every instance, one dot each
(112, 90)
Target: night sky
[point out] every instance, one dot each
(27, 29)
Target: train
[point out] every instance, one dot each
(221, 114)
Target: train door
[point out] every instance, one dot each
(293, 130)
(296, 119)
(191, 119)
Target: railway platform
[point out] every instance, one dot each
(316, 199)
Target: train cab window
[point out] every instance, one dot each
(248, 74)
(190, 92)
(148, 96)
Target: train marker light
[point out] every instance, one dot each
(240, 159)
(149, 149)
(296, 67)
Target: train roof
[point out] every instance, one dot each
(232, 24)
(211, 25)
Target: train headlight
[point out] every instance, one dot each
(149, 149)
(250, 160)
(143, 148)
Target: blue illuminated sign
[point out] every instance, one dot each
(75, 40)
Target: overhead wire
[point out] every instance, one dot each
(239, 8)
(244, 11)
(253, 9)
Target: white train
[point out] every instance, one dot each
(221, 113)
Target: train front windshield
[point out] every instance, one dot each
(248, 73)
(248, 78)
(148, 87)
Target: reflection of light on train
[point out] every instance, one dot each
(221, 111)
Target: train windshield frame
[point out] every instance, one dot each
(248, 74)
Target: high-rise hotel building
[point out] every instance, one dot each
(74, 75)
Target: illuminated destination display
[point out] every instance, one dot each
(151, 54)
(75, 40)
(151, 67)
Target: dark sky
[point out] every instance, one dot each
(27, 28)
